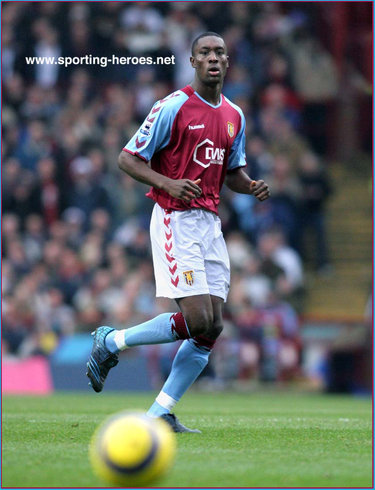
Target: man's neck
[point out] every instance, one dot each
(212, 94)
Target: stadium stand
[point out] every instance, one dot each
(75, 246)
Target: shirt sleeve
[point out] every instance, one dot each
(155, 132)
(237, 155)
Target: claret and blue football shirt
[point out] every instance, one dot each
(185, 137)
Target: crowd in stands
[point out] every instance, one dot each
(75, 242)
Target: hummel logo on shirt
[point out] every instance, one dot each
(198, 126)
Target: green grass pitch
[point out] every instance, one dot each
(249, 440)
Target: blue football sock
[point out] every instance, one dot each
(167, 327)
(156, 410)
(110, 342)
(188, 363)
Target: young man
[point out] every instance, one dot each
(195, 140)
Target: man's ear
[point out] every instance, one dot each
(192, 61)
(227, 61)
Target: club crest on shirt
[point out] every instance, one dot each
(189, 277)
(230, 127)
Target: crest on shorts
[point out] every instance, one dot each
(230, 127)
(189, 277)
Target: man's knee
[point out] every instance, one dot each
(215, 330)
(198, 312)
(209, 337)
(199, 322)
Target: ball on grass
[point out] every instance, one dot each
(132, 449)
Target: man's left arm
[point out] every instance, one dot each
(238, 181)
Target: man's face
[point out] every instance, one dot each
(210, 60)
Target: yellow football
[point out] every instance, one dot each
(132, 449)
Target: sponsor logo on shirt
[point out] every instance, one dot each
(198, 126)
(146, 128)
(208, 153)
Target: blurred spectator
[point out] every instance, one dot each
(34, 238)
(259, 158)
(70, 274)
(269, 338)
(87, 192)
(46, 74)
(11, 174)
(50, 195)
(14, 329)
(316, 81)
(238, 83)
(34, 145)
(282, 100)
(53, 314)
(24, 199)
(9, 52)
(72, 229)
(239, 250)
(315, 191)
(181, 27)
(285, 196)
(283, 265)
(13, 94)
(142, 16)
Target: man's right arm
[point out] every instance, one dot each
(137, 168)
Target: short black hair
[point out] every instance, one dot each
(205, 34)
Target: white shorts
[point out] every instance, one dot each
(189, 253)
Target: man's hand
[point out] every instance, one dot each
(137, 168)
(238, 181)
(259, 189)
(184, 189)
